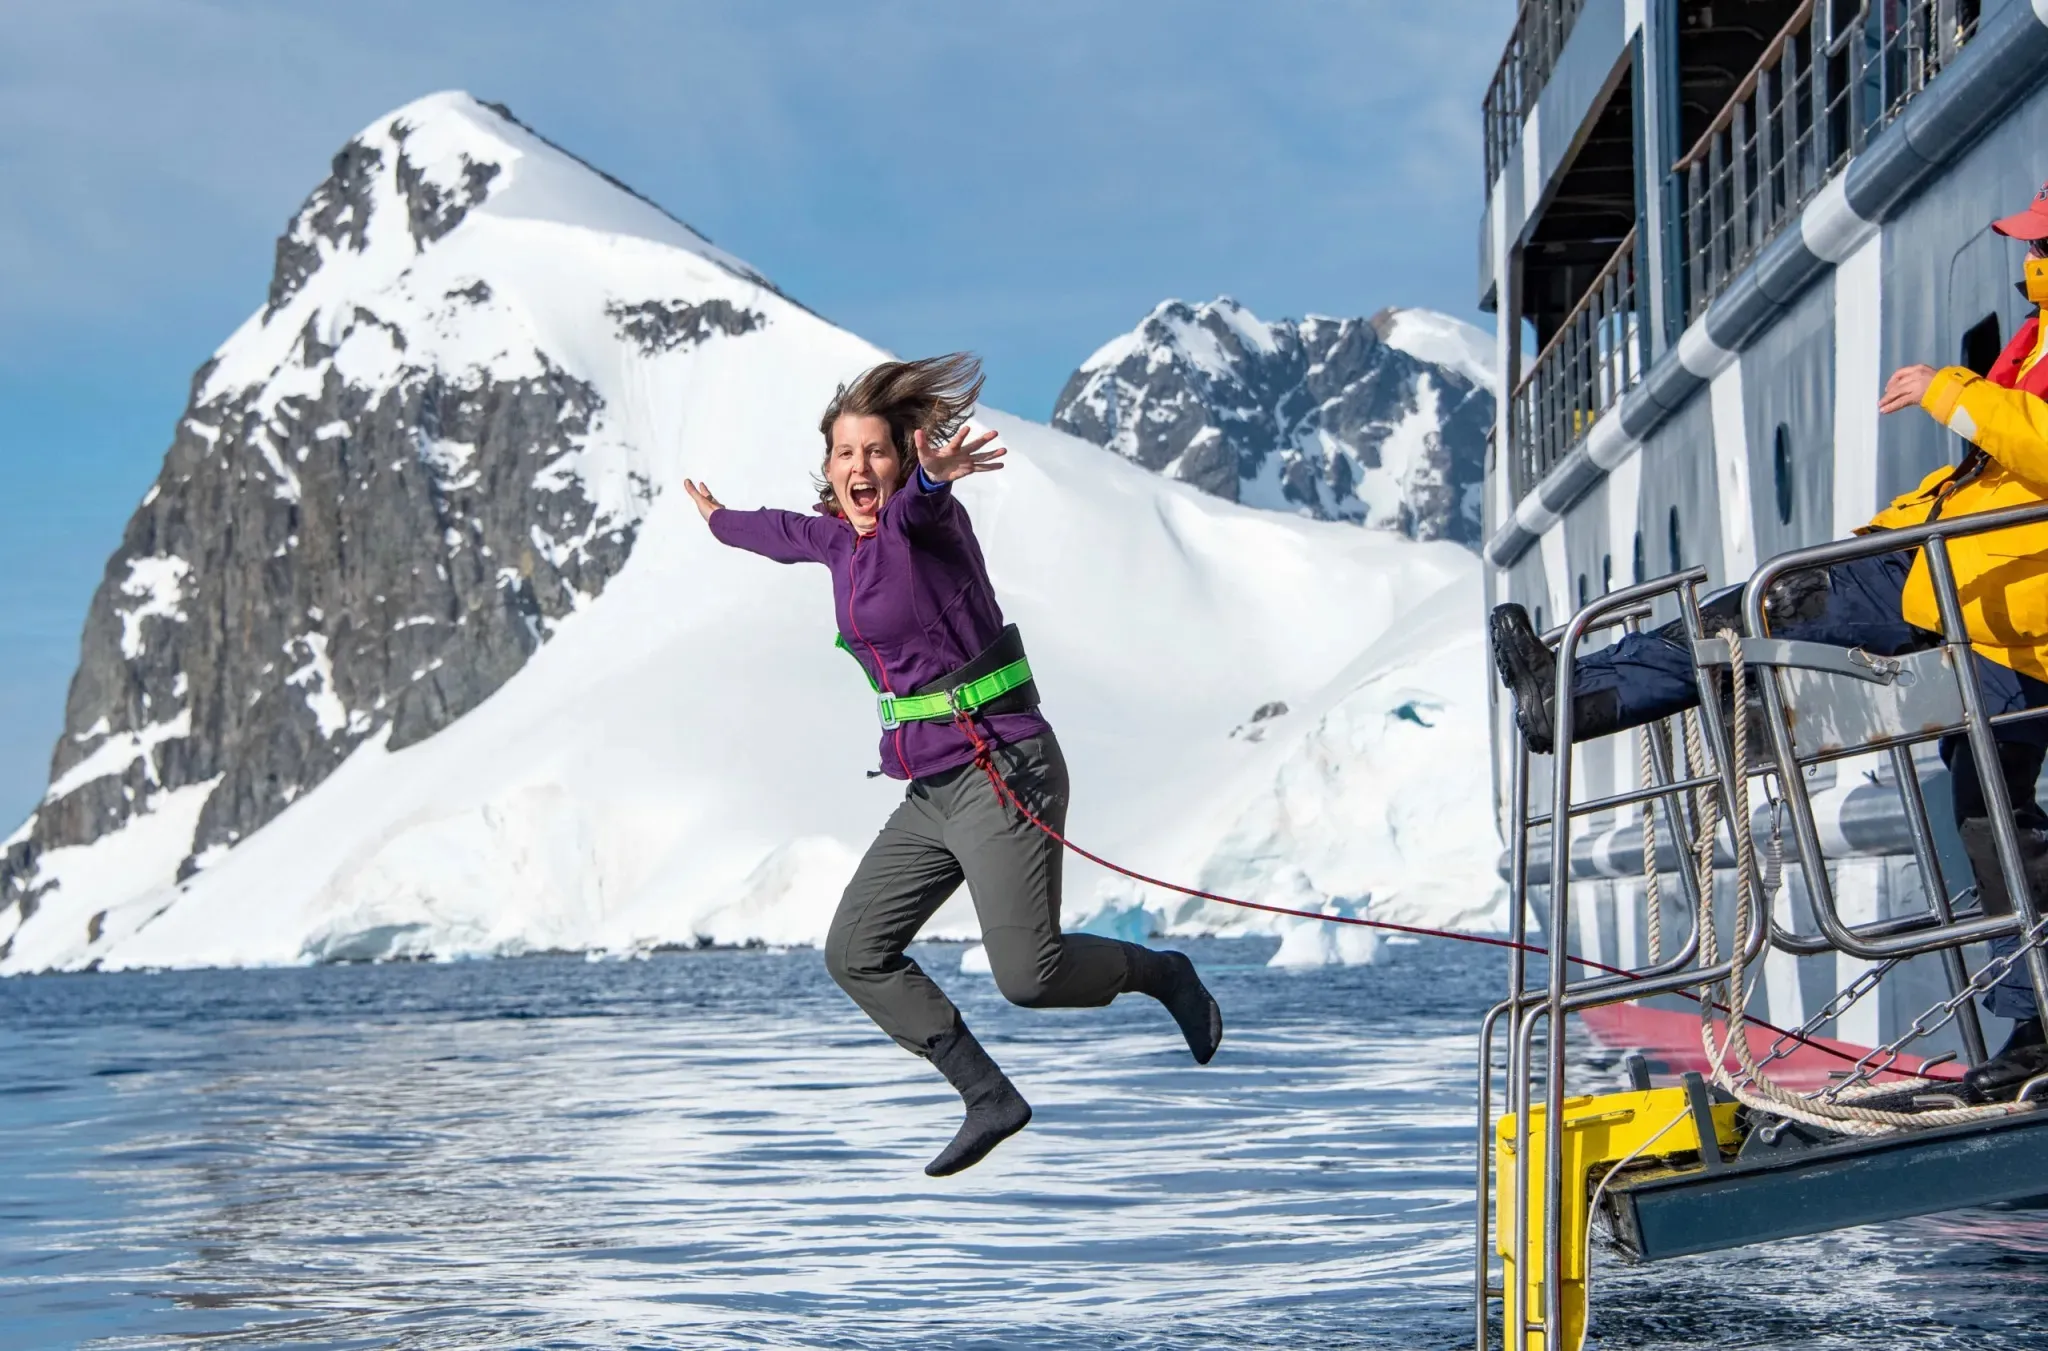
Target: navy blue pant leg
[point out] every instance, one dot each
(2022, 746)
(1854, 604)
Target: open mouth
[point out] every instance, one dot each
(865, 497)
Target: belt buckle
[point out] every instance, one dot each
(885, 704)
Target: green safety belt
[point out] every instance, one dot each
(897, 709)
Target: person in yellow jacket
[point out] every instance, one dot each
(1885, 604)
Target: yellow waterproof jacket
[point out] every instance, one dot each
(2001, 577)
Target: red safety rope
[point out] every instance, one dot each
(984, 759)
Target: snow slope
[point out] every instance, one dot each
(1362, 798)
(1443, 340)
(682, 759)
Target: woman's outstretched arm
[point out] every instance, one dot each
(937, 469)
(785, 536)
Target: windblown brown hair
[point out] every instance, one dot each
(932, 395)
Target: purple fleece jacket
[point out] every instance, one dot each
(913, 602)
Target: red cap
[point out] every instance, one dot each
(2029, 224)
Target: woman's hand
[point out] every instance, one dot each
(701, 495)
(959, 457)
(1906, 388)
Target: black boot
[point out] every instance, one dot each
(995, 1109)
(2000, 1078)
(2024, 1055)
(2026, 1032)
(1529, 670)
(1170, 978)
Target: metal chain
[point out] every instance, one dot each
(1881, 1058)
(1833, 1009)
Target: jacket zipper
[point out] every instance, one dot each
(881, 670)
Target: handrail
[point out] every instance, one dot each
(1613, 265)
(1933, 539)
(1538, 37)
(1773, 50)
(1794, 122)
(1597, 355)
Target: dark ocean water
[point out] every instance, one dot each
(714, 1150)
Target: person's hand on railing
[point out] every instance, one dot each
(1905, 389)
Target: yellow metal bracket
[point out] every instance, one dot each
(1599, 1132)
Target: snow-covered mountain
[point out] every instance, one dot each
(416, 648)
(1382, 421)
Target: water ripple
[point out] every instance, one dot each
(714, 1150)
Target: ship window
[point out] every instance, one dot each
(1583, 594)
(1639, 556)
(1539, 619)
(1781, 471)
(1982, 344)
(1677, 554)
(1606, 573)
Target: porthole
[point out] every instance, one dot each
(1781, 471)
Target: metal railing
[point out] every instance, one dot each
(1541, 28)
(1596, 355)
(1533, 1078)
(1836, 74)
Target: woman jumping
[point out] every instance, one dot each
(915, 608)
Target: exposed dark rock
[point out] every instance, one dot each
(432, 209)
(664, 325)
(1293, 414)
(339, 564)
(337, 214)
(334, 563)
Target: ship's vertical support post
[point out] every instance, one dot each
(1482, 1261)
(1560, 976)
(1740, 185)
(1857, 60)
(1519, 1324)
(1818, 116)
(1789, 134)
(1518, 921)
(1929, 864)
(1984, 749)
(1717, 216)
(1514, 1007)
(1696, 197)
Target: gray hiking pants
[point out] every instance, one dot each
(950, 828)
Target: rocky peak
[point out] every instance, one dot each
(387, 489)
(1382, 421)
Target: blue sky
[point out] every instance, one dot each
(1025, 178)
